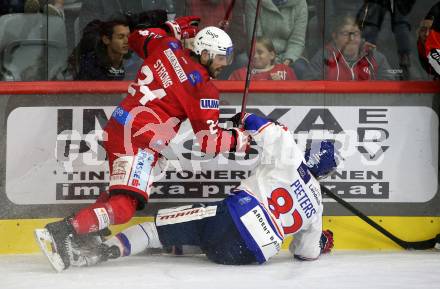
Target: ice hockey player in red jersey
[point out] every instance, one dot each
(172, 85)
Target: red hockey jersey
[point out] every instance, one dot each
(170, 88)
(278, 72)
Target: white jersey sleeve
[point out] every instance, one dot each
(305, 245)
(284, 184)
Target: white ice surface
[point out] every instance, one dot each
(339, 270)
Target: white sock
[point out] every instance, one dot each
(136, 239)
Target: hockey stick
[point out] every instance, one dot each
(248, 72)
(225, 21)
(416, 245)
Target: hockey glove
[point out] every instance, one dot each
(236, 119)
(183, 27)
(241, 140)
(326, 241)
(188, 26)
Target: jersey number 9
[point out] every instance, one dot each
(280, 203)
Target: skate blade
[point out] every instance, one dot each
(47, 246)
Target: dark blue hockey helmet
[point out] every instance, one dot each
(321, 158)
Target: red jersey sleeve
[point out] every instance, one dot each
(203, 113)
(140, 40)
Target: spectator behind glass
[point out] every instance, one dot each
(51, 7)
(106, 10)
(322, 15)
(423, 33)
(371, 17)
(264, 66)
(105, 62)
(347, 58)
(212, 13)
(285, 22)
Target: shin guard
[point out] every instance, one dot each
(136, 239)
(118, 209)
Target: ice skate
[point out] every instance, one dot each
(89, 256)
(55, 241)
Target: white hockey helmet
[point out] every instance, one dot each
(215, 41)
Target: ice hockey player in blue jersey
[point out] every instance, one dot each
(281, 198)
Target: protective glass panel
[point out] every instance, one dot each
(311, 39)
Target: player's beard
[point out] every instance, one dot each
(211, 70)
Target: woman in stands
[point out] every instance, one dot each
(264, 66)
(347, 57)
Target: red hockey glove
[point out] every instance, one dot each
(188, 26)
(184, 27)
(185, 21)
(242, 140)
(326, 241)
(189, 32)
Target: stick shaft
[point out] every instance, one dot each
(249, 66)
(229, 11)
(417, 245)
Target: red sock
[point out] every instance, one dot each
(103, 197)
(118, 209)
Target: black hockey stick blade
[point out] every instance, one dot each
(416, 245)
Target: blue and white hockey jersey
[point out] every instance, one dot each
(281, 198)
